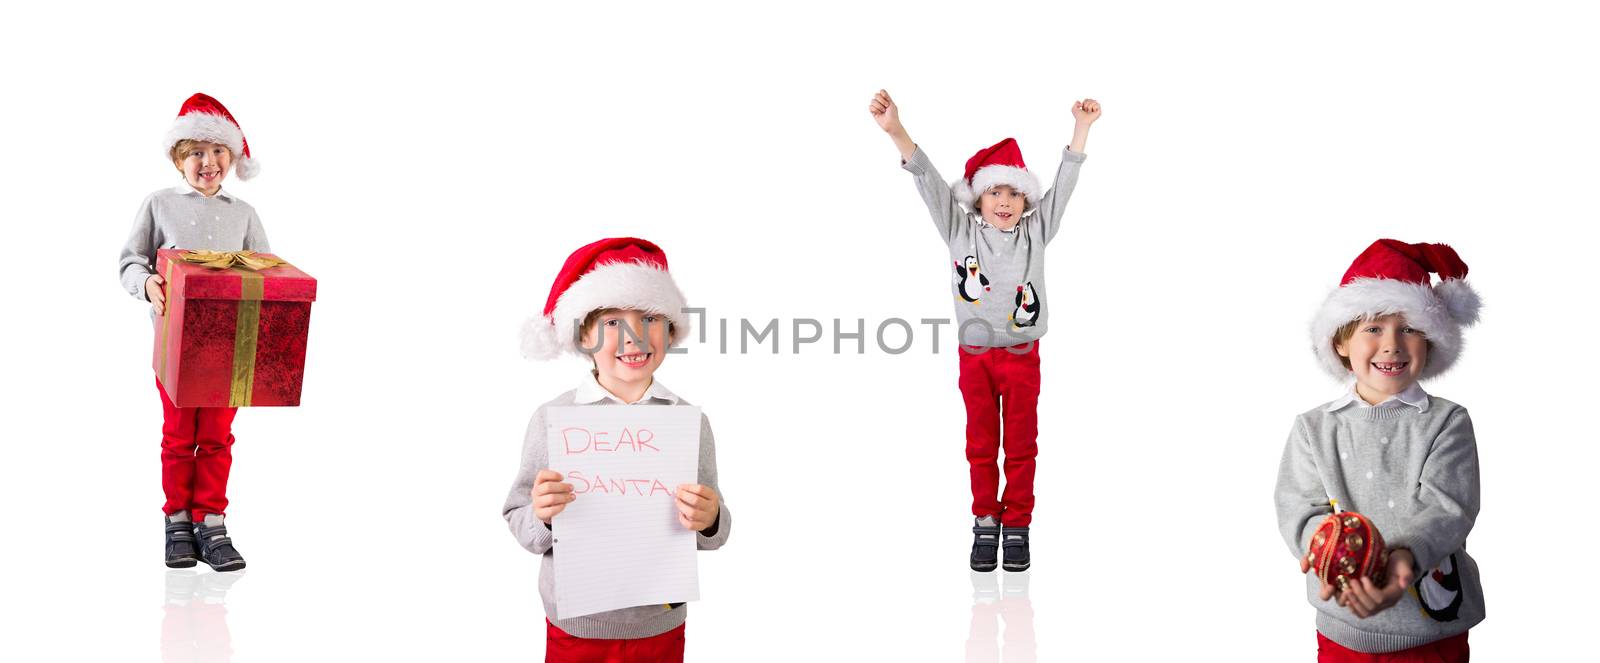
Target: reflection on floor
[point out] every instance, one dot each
(998, 598)
(195, 626)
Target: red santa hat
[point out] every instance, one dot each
(619, 272)
(206, 119)
(1392, 277)
(996, 165)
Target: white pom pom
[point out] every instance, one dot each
(1461, 300)
(963, 193)
(247, 168)
(539, 339)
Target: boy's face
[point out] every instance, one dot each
(204, 165)
(1386, 355)
(632, 345)
(1002, 206)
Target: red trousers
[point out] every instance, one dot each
(1001, 386)
(196, 452)
(1449, 650)
(559, 647)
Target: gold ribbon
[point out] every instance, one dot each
(246, 332)
(247, 327)
(227, 259)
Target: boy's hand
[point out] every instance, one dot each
(885, 112)
(1086, 111)
(154, 293)
(1327, 591)
(697, 506)
(1366, 599)
(550, 495)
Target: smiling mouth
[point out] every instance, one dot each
(1390, 368)
(634, 359)
(1004, 216)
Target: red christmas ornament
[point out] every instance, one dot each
(1346, 547)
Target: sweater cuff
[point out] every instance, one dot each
(1075, 157)
(1421, 554)
(715, 524)
(531, 532)
(139, 291)
(918, 163)
(544, 538)
(714, 536)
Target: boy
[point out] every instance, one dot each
(619, 293)
(1392, 452)
(203, 144)
(996, 221)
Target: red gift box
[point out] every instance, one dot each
(1345, 547)
(234, 336)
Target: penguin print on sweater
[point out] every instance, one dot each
(971, 284)
(1027, 312)
(1439, 592)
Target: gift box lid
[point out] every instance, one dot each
(192, 280)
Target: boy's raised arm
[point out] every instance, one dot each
(942, 206)
(887, 115)
(1053, 204)
(1084, 113)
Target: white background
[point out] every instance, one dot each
(433, 168)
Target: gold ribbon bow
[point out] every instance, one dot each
(228, 259)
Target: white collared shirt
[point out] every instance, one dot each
(984, 223)
(1413, 396)
(185, 189)
(590, 392)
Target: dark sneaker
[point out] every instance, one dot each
(181, 553)
(216, 549)
(1015, 545)
(985, 544)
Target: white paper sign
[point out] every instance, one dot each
(619, 544)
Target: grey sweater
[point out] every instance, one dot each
(1415, 475)
(182, 218)
(1004, 303)
(636, 622)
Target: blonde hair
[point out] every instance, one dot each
(1344, 334)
